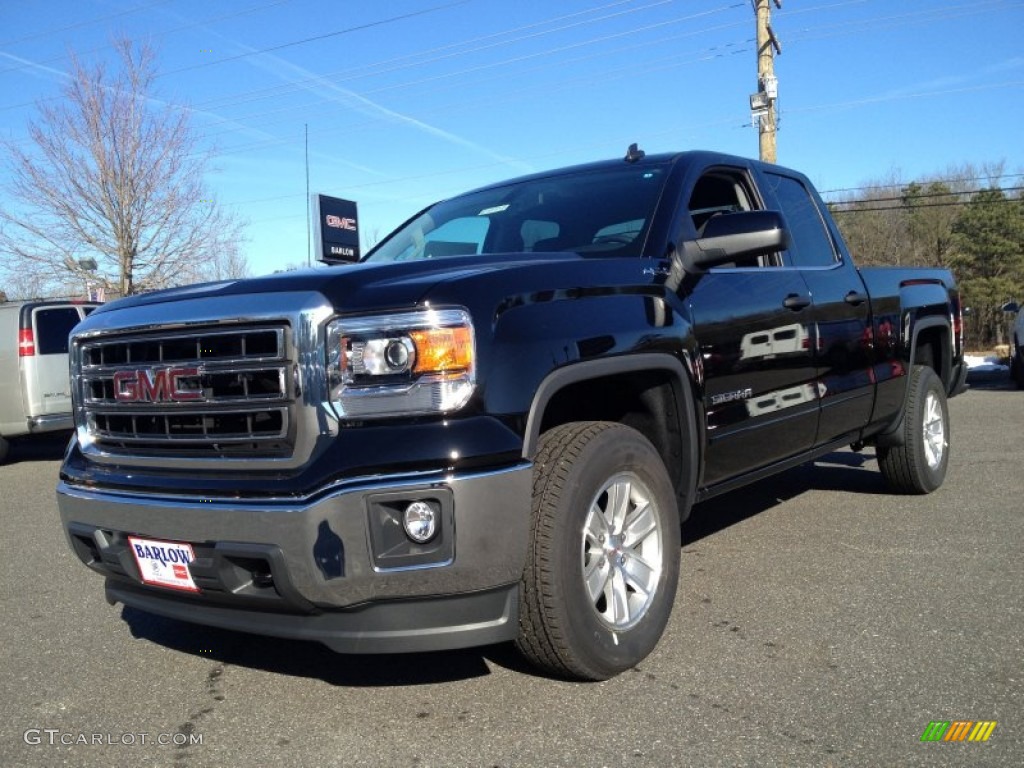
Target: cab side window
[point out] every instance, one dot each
(811, 244)
(719, 193)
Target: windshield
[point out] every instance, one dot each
(606, 212)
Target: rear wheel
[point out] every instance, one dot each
(919, 465)
(603, 563)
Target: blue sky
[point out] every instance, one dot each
(410, 101)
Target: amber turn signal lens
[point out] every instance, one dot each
(443, 350)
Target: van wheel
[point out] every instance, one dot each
(5, 448)
(919, 465)
(603, 561)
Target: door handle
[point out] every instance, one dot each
(796, 302)
(856, 299)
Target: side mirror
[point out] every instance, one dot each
(733, 236)
(1010, 306)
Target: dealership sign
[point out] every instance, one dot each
(337, 229)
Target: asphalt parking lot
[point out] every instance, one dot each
(819, 622)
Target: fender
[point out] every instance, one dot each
(685, 476)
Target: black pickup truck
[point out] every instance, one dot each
(491, 428)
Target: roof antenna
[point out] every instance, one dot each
(634, 153)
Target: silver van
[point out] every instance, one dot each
(35, 389)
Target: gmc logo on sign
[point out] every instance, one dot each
(339, 222)
(155, 385)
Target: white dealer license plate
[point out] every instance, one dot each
(163, 563)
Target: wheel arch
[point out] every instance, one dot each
(932, 344)
(650, 392)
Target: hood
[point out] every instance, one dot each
(355, 287)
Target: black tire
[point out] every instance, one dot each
(919, 465)
(5, 447)
(563, 629)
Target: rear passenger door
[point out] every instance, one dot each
(752, 322)
(841, 314)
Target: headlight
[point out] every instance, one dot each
(401, 364)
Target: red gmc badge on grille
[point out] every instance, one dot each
(156, 385)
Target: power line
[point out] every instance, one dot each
(909, 199)
(950, 180)
(291, 86)
(339, 77)
(448, 75)
(200, 23)
(897, 20)
(717, 51)
(274, 142)
(345, 75)
(952, 204)
(85, 23)
(375, 69)
(336, 33)
(550, 87)
(788, 11)
(560, 49)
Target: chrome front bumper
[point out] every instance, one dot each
(331, 569)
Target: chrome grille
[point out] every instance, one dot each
(202, 392)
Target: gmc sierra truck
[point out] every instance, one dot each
(491, 428)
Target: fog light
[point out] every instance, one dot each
(420, 520)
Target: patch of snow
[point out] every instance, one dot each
(989, 364)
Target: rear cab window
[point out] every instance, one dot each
(812, 245)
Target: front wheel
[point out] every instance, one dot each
(603, 563)
(919, 464)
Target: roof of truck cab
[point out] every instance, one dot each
(700, 156)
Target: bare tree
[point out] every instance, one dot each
(227, 264)
(951, 220)
(111, 191)
(27, 285)
(872, 222)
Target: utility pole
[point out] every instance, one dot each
(762, 103)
